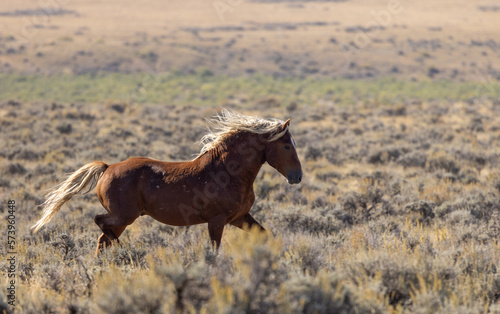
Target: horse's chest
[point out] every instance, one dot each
(247, 199)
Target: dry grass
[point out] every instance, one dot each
(396, 213)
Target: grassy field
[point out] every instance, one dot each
(395, 109)
(204, 88)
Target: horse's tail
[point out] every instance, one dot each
(85, 177)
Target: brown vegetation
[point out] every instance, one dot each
(399, 210)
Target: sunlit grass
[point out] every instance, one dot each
(202, 89)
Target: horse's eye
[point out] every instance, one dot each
(287, 147)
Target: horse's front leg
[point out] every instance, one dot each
(216, 228)
(246, 221)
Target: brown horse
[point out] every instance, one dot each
(215, 188)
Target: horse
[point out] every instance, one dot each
(215, 188)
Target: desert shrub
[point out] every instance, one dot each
(366, 204)
(4, 183)
(412, 159)
(424, 208)
(299, 220)
(15, 169)
(4, 307)
(266, 186)
(397, 276)
(476, 124)
(496, 184)
(393, 277)
(64, 128)
(305, 252)
(328, 176)
(293, 194)
(476, 159)
(347, 218)
(313, 152)
(120, 108)
(78, 115)
(323, 293)
(385, 155)
(425, 299)
(362, 201)
(40, 300)
(320, 202)
(480, 206)
(52, 277)
(334, 154)
(140, 292)
(442, 161)
(25, 271)
(374, 179)
(64, 244)
(468, 176)
(125, 254)
(24, 154)
(152, 239)
(45, 169)
(395, 187)
(257, 277)
(399, 110)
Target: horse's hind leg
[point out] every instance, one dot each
(106, 240)
(112, 227)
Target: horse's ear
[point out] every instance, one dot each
(285, 125)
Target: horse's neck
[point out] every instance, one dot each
(241, 156)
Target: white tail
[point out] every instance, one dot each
(85, 177)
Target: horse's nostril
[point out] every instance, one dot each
(294, 177)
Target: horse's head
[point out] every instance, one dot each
(282, 156)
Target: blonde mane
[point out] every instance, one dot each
(229, 122)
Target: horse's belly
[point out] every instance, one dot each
(174, 206)
(175, 216)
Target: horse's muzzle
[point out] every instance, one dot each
(294, 177)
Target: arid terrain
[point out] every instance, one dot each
(352, 39)
(395, 110)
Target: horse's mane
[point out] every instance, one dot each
(227, 123)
